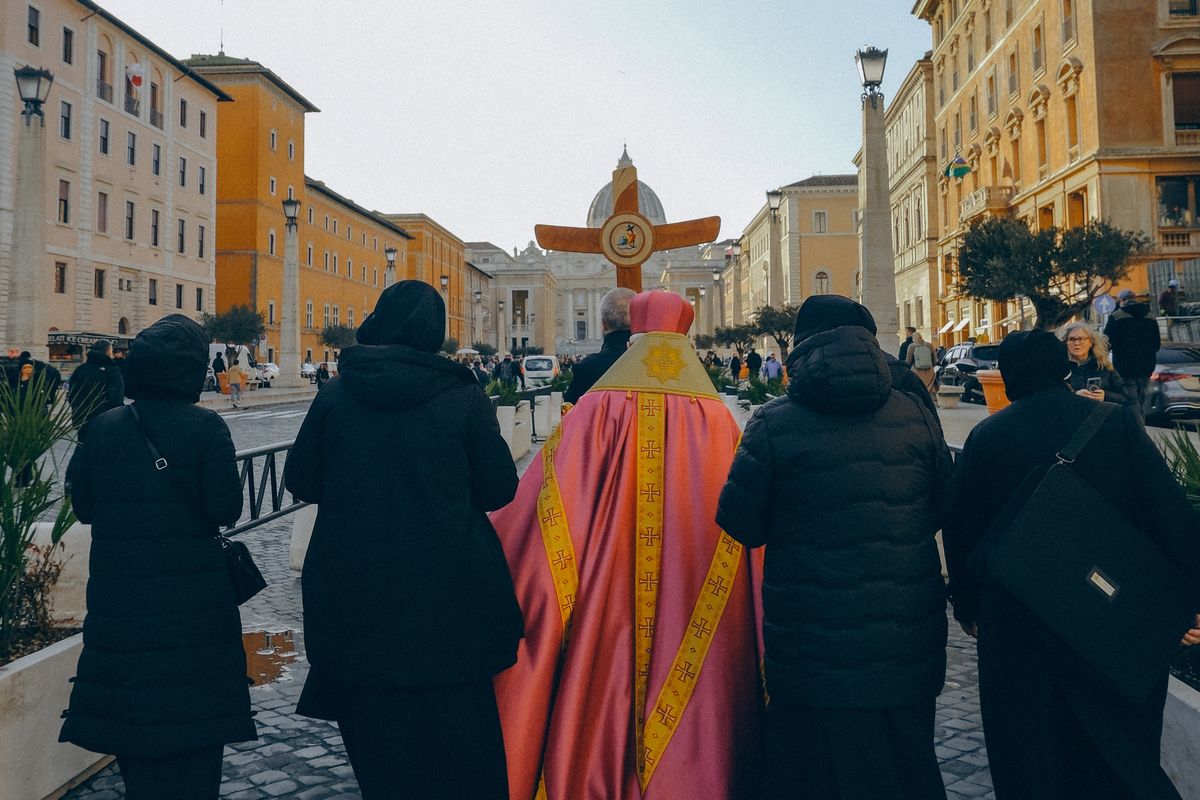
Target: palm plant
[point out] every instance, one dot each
(1183, 457)
(505, 393)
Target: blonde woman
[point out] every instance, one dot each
(921, 357)
(1092, 374)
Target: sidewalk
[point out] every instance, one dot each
(260, 397)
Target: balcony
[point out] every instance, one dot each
(156, 118)
(993, 199)
(1175, 240)
(1185, 137)
(1179, 9)
(132, 105)
(104, 90)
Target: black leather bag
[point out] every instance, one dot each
(247, 579)
(1094, 580)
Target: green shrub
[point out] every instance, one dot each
(505, 393)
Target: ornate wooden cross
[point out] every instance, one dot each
(628, 239)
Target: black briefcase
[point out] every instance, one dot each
(1095, 581)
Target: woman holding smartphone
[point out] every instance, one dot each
(1092, 373)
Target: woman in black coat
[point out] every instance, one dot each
(1092, 374)
(409, 609)
(161, 682)
(1053, 729)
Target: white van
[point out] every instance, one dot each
(539, 370)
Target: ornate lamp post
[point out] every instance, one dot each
(389, 274)
(476, 319)
(875, 241)
(705, 311)
(289, 323)
(736, 275)
(719, 303)
(445, 283)
(774, 257)
(501, 327)
(28, 316)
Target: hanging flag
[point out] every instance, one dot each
(135, 74)
(957, 168)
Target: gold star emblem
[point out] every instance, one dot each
(663, 363)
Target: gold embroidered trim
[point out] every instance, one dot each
(556, 538)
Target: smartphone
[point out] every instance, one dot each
(1093, 384)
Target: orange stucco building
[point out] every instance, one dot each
(435, 252)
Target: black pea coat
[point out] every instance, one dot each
(95, 387)
(591, 369)
(1052, 729)
(405, 584)
(1115, 389)
(162, 669)
(1135, 341)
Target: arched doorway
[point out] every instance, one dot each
(123, 326)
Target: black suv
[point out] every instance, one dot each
(959, 364)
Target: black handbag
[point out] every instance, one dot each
(1091, 578)
(247, 579)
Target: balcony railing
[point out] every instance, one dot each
(1183, 8)
(1179, 240)
(987, 198)
(156, 118)
(104, 90)
(131, 104)
(1187, 138)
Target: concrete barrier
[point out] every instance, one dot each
(1181, 738)
(70, 593)
(302, 528)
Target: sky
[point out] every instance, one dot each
(492, 116)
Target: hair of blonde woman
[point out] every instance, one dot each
(917, 338)
(1099, 342)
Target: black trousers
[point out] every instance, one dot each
(852, 753)
(430, 743)
(186, 776)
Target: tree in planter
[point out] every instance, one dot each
(705, 341)
(29, 429)
(450, 345)
(1061, 271)
(485, 350)
(505, 393)
(338, 337)
(739, 337)
(778, 323)
(240, 325)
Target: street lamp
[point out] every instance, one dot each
(774, 199)
(703, 291)
(291, 210)
(33, 85)
(871, 62)
(289, 322)
(500, 323)
(478, 296)
(445, 282)
(389, 275)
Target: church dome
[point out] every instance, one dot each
(648, 202)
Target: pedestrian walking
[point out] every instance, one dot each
(508, 371)
(1135, 342)
(480, 373)
(754, 362)
(236, 377)
(845, 481)
(614, 322)
(1053, 728)
(322, 375)
(735, 368)
(96, 386)
(772, 369)
(218, 364)
(1092, 373)
(1168, 301)
(909, 336)
(161, 682)
(415, 704)
(920, 358)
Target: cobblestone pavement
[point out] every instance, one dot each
(297, 757)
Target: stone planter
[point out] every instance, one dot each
(302, 528)
(506, 417)
(993, 389)
(949, 396)
(33, 693)
(522, 430)
(556, 401)
(1180, 745)
(70, 592)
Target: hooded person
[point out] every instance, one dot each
(639, 673)
(1053, 728)
(1134, 338)
(95, 387)
(408, 605)
(161, 682)
(845, 481)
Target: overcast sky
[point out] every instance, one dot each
(494, 115)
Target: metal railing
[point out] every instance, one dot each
(104, 90)
(260, 471)
(156, 118)
(1182, 8)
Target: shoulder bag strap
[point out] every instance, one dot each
(161, 465)
(1084, 433)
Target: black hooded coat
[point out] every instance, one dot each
(96, 386)
(844, 481)
(1134, 339)
(162, 670)
(405, 584)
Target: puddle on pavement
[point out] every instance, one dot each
(268, 656)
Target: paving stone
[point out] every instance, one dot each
(326, 761)
(280, 788)
(310, 752)
(268, 776)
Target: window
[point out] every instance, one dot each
(337, 316)
(325, 324)
(375, 277)
(335, 226)
(64, 202)
(199, 298)
(156, 159)
(98, 284)
(270, 312)
(335, 263)
(200, 241)
(104, 137)
(327, 261)
(274, 139)
(130, 211)
(973, 113)
(308, 308)
(957, 132)
(182, 113)
(350, 317)
(156, 117)
(132, 104)
(181, 243)
(1068, 21)
(819, 222)
(179, 295)
(310, 216)
(154, 227)
(103, 87)
(271, 243)
(944, 146)
(1177, 201)
(987, 32)
(1038, 59)
(1008, 12)
(326, 222)
(292, 154)
(203, 124)
(1185, 90)
(1016, 160)
(1043, 156)
(60, 277)
(349, 268)
(68, 53)
(64, 119)
(271, 183)
(308, 257)
(182, 171)
(34, 35)
(992, 105)
(101, 212)
(153, 296)
(1073, 127)
(954, 73)
(1014, 72)
(970, 53)
(821, 283)
(131, 148)
(348, 228)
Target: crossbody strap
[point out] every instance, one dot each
(161, 465)
(1084, 433)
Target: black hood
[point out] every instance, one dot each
(824, 312)
(841, 371)
(396, 376)
(1031, 361)
(1139, 310)
(168, 360)
(409, 313)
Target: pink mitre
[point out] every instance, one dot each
(660, 312)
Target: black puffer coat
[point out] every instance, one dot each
(95, 387)
(1134, 339)
(405, 584)
(1115, 389)
(844, 480)
(162, 669)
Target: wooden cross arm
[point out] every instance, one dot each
(569, 240)
(684, 234)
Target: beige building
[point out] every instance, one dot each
(913, 171)
(480, 321)
(523, 295)
(130, 173)
(1066, 114)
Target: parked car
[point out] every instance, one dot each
(540, 370)
(959, 365)
(308, 370)
(1174, 388)
(267, 371)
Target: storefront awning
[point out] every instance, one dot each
(947, 326)
(84, 338)
(964, 322)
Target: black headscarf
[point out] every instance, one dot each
(824, 312)
(1032, 360)
(168, 360)
(410, 313)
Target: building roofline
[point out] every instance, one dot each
(420, 216)
(477, 269)
(158, 51)
(222, 64)
(374, 216)
(825, 181)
